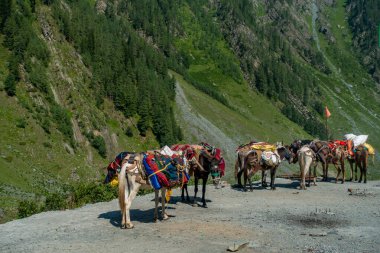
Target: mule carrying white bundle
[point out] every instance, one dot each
(356, 139)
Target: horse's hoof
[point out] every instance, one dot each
(342, 182)
(204, 205)
(365, 182)
(273, 188)
(264, 185)
(155, 220)
(165, 217)
(129, 226)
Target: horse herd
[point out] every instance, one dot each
(202, 160)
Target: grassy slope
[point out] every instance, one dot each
(33, 162)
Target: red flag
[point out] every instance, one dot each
(327, 113)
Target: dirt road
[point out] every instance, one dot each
(325, 218)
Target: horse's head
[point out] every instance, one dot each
(293, 149)
(285, 153)
(213, 163)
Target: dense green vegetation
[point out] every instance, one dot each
(364, 21)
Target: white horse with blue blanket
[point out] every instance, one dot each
(131, 179)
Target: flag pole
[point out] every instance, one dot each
(327, 115)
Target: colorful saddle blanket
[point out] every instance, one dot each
(114, 167)
(165, 171)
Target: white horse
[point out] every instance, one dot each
(306, 157)
(131, 178)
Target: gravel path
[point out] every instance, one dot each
(325, 218)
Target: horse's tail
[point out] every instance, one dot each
(123, 188)
(301, 161)
(238, 164)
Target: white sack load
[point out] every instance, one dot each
(349, 136)
(359, 140)
(167, 151)
(356, 139)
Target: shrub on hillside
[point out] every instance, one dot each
(98, 143)
(27, 208)
(93, 192)
(21, 123)
(56, 201)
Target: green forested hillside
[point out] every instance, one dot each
(83, 80)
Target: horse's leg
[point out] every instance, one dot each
(204, 183)
(123, 216)
(237, 172)
(163, 200)
(245, 177)
(184, 189)
(195, 188)
(264, 179)
(187, 193)
(250, 175)
(352, 169)
(135, 190)
(325, 170)
(309, 181)
(361, 171)
(302, 169)
(343, 169)
(356, 169)
(272, 177)
(241, 171)
(315, 173)
(365, 169)
(183, 193)
(156, 205)
(337, 175)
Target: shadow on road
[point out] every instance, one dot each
(143, 216)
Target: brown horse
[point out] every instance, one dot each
(253, 162)
(338, 155)
(322, 152)
(242, 151)
(361, 160)
(202, 162)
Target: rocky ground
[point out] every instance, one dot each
(324, 218)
